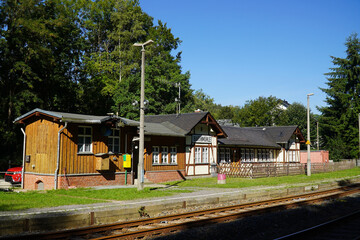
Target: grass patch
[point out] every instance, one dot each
(271, 181)
(10, 201)
(118, 194)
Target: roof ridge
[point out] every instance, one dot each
(174, 114)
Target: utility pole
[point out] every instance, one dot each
(140, 179)
(317, 135)
(308, 136)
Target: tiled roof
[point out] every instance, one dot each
(177, 123)
(247, 137)
(281, 134)
(162, 130)
(77, 118)
(258, 136)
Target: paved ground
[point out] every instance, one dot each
(4, 185)
(198, 193)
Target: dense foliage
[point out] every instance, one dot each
(78, 56)
(339, 119)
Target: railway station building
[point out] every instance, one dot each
(66, 150)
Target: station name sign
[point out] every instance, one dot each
(201, 139)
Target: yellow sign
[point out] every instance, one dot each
(127, 161)
(307, 142)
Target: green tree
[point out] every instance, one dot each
(263, 111)
(204, 102)
(339, 120)
(113, 64)
(40, 48)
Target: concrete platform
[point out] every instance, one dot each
(75, 216)
(5, 185)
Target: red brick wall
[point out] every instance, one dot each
(93, 180)
(31, 180)
(321, 156)
(164, 176)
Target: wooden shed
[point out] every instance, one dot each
(64, 150)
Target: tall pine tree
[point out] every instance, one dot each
(339, 120)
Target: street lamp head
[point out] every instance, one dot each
(143, 44)
(148, 42)
(310, 94)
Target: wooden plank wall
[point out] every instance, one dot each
(42, 142)
(41, 145)
(168, 141)
(74, 163)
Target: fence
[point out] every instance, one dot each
(334, 166)
(259, 170)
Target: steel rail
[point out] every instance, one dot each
(171, 228)
(297, 200)
(326, 228)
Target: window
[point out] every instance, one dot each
(201, 154)
(221, 154)
(173, 155)
(243, 155)
(155, 154)
(205, 155)
(227, 154)
(252, 155)
(114, 141)
(84, 140)
(268, 155)
(292, 156)
(265, 155)
(248, 155)
(164, 155)
(197, 155)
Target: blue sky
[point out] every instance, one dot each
(240, 50)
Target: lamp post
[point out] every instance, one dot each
(308, 136)
(140, 182)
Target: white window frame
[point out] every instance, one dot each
(227, 155)
(243, 159)
(173, 155)
(205, 155)
(155, 155)
(197, 157)
(112, 138)
(221, 154)
(164, 155)
(82, 148)
(252, 155)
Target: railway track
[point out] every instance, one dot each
(152, 227)
(345, 227)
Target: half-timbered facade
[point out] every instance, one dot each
(193, 136)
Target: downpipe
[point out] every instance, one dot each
(24, 156)
(58, 157)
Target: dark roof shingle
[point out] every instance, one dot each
(183, 122)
